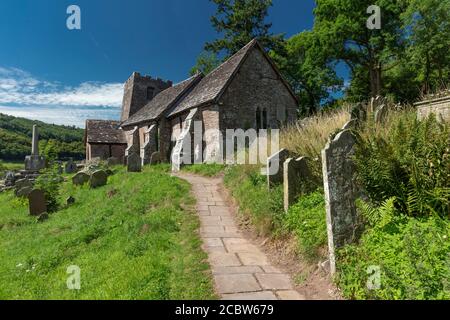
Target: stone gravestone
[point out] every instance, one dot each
(340, 192)
(23, 187)
(34, 162)
(80, 178)
(155, 158)
(70, 167)
(297, 177)
(10, 179)
(274, 170)
(98, 179)
(359, 113)
(37, 203)
(134, 163)
(381, 113)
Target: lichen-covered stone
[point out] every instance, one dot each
(98, 179)
(80, 178)
(340, 192)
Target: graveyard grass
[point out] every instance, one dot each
(135, 238)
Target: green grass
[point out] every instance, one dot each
(5, 166)
(306, 219)
(132, 239)
(263, 207)
(208, 170)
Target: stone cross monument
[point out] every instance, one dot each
(34, 162)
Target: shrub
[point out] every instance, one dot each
(50, 183)
(306, 219)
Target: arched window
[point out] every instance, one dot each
(261, 118)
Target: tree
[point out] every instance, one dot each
(305, 64)
(428, 23)
(206, 63)
(240, 21)
(342, 28)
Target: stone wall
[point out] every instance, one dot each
(105, 151)
(256, 85)
(438, 106)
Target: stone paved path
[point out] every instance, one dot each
(240, 269)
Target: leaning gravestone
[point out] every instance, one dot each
(274, 170)
(22, 183)
(98, 178)
(134, 163)
(37, 204)
(80, 178)
(70, 167)
(297, 177)
(340, 192)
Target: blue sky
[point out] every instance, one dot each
(62, 76)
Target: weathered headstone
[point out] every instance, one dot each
(22, 183)
(80, 178)
(350, 125)
(37, 204)
(155, 158)
(98, 178)
(34, 162)
(297, 176)
(70, 167)
(274, 169)
(134, 163)
(112, 161)
(10, 178)
(359, 113)
(340, 192)
(381, 113)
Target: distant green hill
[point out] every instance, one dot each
(61, 141)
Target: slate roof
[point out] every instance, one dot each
(104, 131)
(162, 101)
(211, 86)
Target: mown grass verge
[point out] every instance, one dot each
(132, 239)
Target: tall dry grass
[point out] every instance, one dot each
(307, 137)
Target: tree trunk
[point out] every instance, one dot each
(375, 79)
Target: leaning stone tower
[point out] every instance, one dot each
(138, 91)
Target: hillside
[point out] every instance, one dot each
(15, 138)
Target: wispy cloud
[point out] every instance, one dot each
(19, 87)
(21, 92)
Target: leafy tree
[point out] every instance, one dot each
(342, 27)
(306, 65)
(428, 23)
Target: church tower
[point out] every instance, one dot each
(138, 91)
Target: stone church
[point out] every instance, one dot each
(246, 91)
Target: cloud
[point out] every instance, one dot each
(23, 95)
(21, 88)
